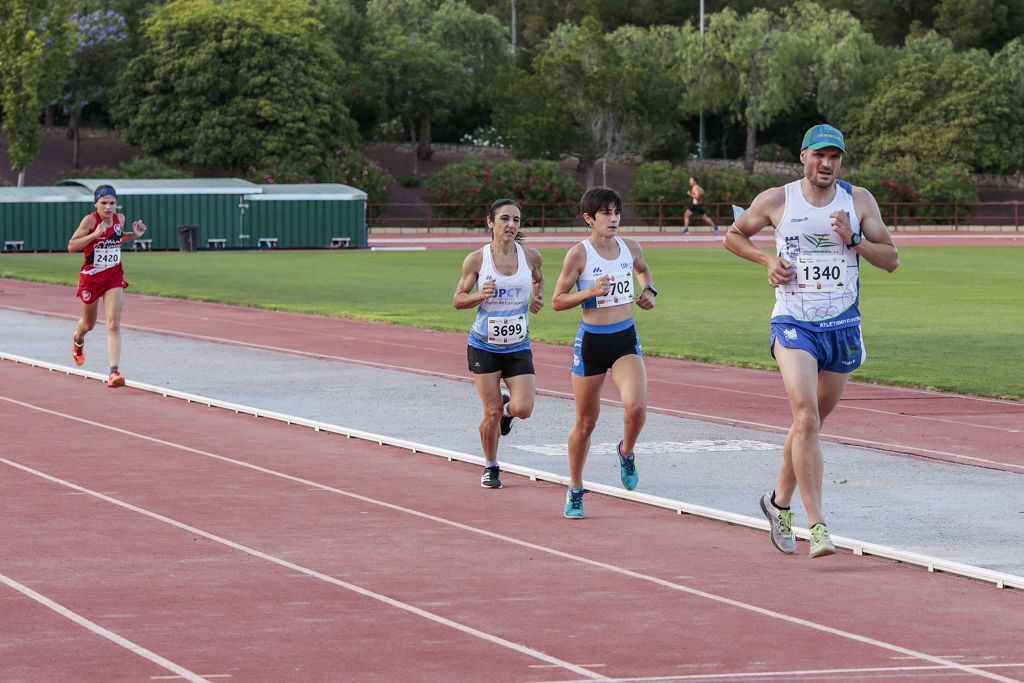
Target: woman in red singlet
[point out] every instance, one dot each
(100, 235)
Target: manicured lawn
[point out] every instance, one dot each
(948, 318)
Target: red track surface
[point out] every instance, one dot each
(231, 545)
(439, 240)
(955, 428)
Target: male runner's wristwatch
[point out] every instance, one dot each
(651, 289)
(854, 240)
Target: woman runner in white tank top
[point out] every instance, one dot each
(509, 286)
(601, 269)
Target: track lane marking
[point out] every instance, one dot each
(181, 671)
(398, 604)
(476, 530)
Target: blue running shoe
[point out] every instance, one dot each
(627, 469)
(574, 503)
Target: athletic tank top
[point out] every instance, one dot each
(104, 252)
(502, 322)
(826, 290)
(619, 268)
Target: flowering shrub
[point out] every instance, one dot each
(934, 192)
(467, 188)
(659, 181)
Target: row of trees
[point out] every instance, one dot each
(281, 85)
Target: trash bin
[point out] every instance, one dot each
(188, 237)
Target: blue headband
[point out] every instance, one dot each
(104, 192)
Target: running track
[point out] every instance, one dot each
(969, 430)
(147, 538)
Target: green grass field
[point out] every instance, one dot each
(948, 318)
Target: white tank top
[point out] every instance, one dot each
(825, 292)
(502, 322)
(619, 268)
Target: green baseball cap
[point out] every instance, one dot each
(822, 136)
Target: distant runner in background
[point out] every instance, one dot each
(696, 193)
(823, 226)
(100, 235)
(509, 286)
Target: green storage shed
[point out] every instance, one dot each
(41, 218)
(214, 206)
(312, 216)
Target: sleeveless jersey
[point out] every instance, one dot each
(502, 322)
(104, 252)
(826, 290)
(619, 268)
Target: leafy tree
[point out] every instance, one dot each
(1008, 67)
(979, 23)
(35, 46)
(847, 61)
(595, 94)
(432, 57)
(930, 108)
(752, 67)
(231, 84)
(889, 21)
(100, 41)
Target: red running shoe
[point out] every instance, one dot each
(77, 351)
(115, 380)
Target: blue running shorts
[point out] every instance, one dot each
(839, 350)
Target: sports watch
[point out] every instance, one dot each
(651, 289)
(855, 239)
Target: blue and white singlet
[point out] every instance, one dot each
(502, 322)
(619, 268)
(825, 293)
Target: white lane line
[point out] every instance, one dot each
(436, 618)
(100, 631)
(785, 675)
(489, 534)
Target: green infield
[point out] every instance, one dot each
(948, 318)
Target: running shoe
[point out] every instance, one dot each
(115, 380)
(506, 422)
(821, 542)
(489, 479)
(781, 522)
(574, 503)
(78, 351)
(627, 468)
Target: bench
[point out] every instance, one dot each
(267, 242)
(14, 245)
(142, 245)
(340, 242)
(216, 243)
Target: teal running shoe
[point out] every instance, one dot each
(627, 469)
(821, 542)
(574, 503)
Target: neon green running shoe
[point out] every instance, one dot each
(781, 522)
(821, 542)
(574, 503)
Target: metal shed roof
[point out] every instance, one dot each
(319, 191)
(47, 194)
(126, 186)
